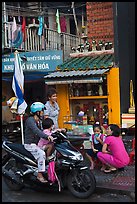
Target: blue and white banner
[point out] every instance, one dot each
(40, 61)
(18, 84)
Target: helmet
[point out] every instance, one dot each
(36, 106)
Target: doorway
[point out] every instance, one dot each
(72, 27)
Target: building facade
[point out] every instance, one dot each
(97, 31)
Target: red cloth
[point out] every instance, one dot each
(23, 29)
(63, 24)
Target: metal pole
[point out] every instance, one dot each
(40, 37)
(116, 37)
(21, 120)
(4, 13)
(82, 18)
(74, 14)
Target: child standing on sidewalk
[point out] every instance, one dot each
(96, 140)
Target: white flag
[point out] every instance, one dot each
(18, 84)
(14, 29)
(58, 22)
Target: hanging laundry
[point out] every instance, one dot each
(9, 33)
(58, 22)
(24, 29)
(41, 22)
(19, 19)
(46, 22)
(17, 43)
(14, 29)
(63, 24)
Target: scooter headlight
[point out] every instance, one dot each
(77, 157)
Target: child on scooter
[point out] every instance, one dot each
(45, 144)
(96, 140)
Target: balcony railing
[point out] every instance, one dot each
(50, 40)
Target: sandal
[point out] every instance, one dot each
(42, 180)
(110, 170)
(103, 169)
(113, 169)
(107, 170)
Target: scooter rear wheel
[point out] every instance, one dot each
(11, 168)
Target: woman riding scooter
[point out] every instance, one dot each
(33, 133)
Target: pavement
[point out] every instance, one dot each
(121, 180)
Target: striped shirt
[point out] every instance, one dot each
(52, 112)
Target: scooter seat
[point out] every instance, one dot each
(20, 149)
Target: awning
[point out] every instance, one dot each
(95, 80)
(87, 63)
(85, 69)
(90, 76)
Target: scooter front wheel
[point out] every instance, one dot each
(81, 183)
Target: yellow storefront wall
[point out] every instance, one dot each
(113, 96)
(63, 102)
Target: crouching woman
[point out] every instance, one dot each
(114, 154)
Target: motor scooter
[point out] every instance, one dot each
(19, 168)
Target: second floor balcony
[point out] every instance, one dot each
(49, 40)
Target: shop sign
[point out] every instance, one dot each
(35, 61)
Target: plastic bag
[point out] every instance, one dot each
(51, 172)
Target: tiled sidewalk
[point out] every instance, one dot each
(119, 180)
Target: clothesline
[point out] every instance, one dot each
(11, 13)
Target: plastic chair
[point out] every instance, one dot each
(132, 153)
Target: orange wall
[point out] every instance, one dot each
(114, 96)
(63, 102)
